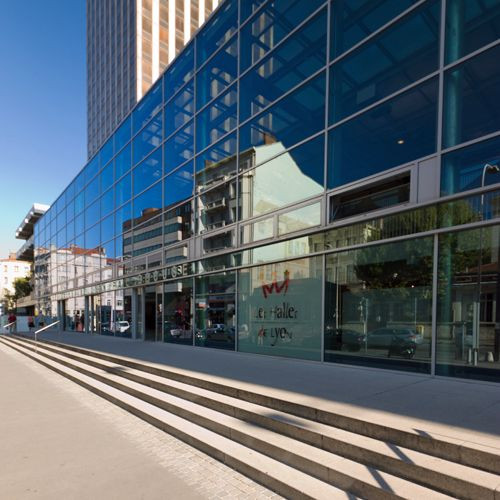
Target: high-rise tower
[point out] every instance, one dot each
(129, 43)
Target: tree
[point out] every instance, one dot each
(22, 287)
(8, 300)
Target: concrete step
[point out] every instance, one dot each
(465, 453)
(431, 472)
(283, 479)
(354, 454)
(346, 474)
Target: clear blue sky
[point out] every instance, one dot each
(42, 105)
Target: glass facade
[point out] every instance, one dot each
(296, 184)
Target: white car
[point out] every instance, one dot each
(122, 326)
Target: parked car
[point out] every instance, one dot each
(398, 341)
(337, 339)
(122, 326)
(220, 332)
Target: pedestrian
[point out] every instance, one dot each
(31, 323)
(12, 321)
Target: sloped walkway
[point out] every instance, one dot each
(456, 409)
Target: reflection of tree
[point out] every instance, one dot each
(460, 253)
(404, 269)
(380, 267)
(396, 268)
(399, 269)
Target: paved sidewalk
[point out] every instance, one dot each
(60, 441)
(461, 410)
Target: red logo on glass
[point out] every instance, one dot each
(274, 287)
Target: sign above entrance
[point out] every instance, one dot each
(172, 272)
(149, 278)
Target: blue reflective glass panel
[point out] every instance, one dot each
(297, 116)
(123, 134)
(273, 22)
(92, 214)
(70, 192)
(391, 134)
(290, 64)
(179, 185)
(93, 237)
(217, 119)
(217, 162)
(179, 148)
(147, 172)
(352, 21)
(148, 139)
(79, 203)
(92, 191)
(248, 7)
(179, 72)
(470, 25)
(108, 248)
(106, 152)
(107, 202)
(123, 219)
(217, 153)
(151, 200)
(91, 169)
(393, 60)
(472, 98)
(70, 210)
(61, 220)
(217, 74)
(123, 190)
(148, 106)
(462, 169)
(123, 161)
(59, 204)
(107, 228)
(61, 239)
(217, 30)
(70, 230)
(179, 110)
(80, 243)
(122, 250)
(107, 177)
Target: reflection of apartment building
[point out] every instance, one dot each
(129, 44)
(155, 228)
(57, 270)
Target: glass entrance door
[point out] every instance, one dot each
(150, 313)
(153, 313)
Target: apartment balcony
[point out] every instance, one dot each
(215, 205)
(214, 225)
(26, 252)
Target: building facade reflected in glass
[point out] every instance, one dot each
(306, 179)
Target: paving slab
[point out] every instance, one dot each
(462, 410)
(58, 440)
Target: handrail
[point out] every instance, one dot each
(9, 324)
(40, 330)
